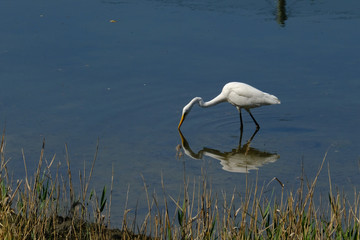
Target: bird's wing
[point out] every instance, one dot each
(243, 95)
(245, 90)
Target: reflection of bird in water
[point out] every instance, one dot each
(240, 95)
(241, 159)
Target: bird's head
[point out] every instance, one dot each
(185, 112)
(187, 109)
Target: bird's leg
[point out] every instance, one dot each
(241, 135)
(241, 121)
(252, 137)
(257, 125)
(241, 127)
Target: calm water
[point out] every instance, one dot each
(70, 75)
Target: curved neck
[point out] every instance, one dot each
(212, 102)
(203, 104)
(200, 102)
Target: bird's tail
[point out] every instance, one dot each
(271, 99)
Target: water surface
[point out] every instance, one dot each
(71, 75)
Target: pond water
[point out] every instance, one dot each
(121, 71)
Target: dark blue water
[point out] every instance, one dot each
(71, 75)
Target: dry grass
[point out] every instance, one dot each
(46, 206)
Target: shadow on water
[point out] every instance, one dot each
(241, 159)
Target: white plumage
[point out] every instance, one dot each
(241, 95)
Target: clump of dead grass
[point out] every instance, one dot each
(46, 206)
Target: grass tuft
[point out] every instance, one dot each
(36, 207)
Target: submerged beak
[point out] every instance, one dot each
(181, 120)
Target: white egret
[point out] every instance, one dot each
(241, 95)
